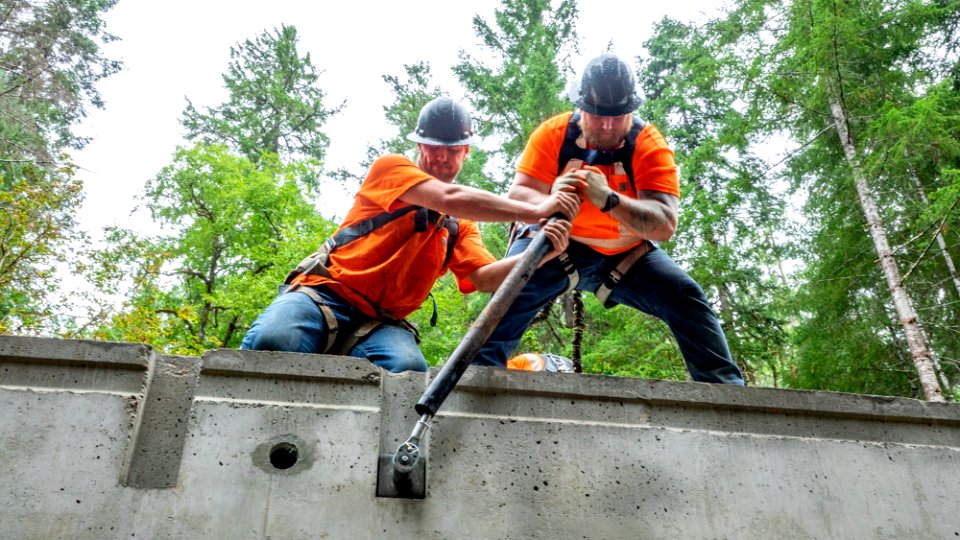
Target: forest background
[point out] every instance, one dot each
(817, 139)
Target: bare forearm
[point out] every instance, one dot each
(488, 278)
(479, 205)
(520, 192)
(651, 219)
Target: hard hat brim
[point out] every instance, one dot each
(437, 142)
(618, 110)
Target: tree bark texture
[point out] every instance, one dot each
(916, 338)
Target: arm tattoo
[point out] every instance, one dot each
(651, 210)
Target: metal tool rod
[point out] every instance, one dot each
(480, 330)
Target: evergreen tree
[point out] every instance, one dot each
(275, 103)
(827, 70)
(730, 217)
(50, 63)
(531, 43)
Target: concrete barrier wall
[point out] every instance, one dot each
(108, 440)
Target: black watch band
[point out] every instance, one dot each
(613, 201)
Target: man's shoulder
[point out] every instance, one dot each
(650, 137)
(392, 160)
(394, 166)
(553, 128)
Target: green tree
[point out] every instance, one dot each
(827, 70)
(531, 42)
(275, 104)
(236, 213)
(36, 229)
(236, 228)
(730, 216)
(50, 62)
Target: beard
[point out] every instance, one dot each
(604, 140)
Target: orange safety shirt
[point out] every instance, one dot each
(394, 266)
(653, 170)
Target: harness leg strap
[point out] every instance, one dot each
(573, 277)
(605, 288)
(328, 315)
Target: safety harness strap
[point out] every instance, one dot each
(570, 150)
(316, 264)
(612, 279)
(328, 316)
(333, 327)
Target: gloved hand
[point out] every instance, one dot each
(595, 185)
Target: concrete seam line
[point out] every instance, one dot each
(298, 404)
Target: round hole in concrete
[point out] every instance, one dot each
(283, 455)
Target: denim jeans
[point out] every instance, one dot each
(294, 323)
(654, 285)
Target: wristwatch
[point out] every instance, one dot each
(613, 201)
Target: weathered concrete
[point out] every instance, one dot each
(271, 445)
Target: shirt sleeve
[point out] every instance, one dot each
(389, 178)
(542, 152)
(469, 254)
(653, 164)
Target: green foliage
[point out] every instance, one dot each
(530, 42)
(36, 228)
(275, 104)
(235, 229)
(50, 63)
(234, 208)
(732, 235)
(887, 66)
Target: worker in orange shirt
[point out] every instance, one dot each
(409, 224)
(624, 172)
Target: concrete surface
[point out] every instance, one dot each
(108, 440)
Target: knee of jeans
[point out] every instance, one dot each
(272, 339)
(403, 362)
(412, 363)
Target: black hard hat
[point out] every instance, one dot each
(607, 87)
(443, 122)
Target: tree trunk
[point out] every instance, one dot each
(916, 338)
(947, 259)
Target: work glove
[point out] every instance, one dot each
(595, 186)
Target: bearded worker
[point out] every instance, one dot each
(626, 176)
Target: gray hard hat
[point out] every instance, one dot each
(443, 122)
(607, 87)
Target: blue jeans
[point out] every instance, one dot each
(654, 285)
(294, 323)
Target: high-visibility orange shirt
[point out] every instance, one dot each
(653, 170)
(394, 266)
(527, 362)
